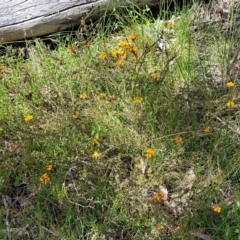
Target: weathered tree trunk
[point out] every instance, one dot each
(21, 19)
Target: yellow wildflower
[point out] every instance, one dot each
(114, 53)
(96, 155)
(160, 228)
(135, 58)
(95, 142)
(150, 153)
(103, 55)
(74, 116)
(230, 84)
(121, 52)
(49, 167)
(101, 96)
(135, 52)
(1, 68)
(230, 104)
(123, 44)
(178, 140)
(29, 118)
(207, 130)
(138, 100)
(126, 45)
(72, 48)
(119, 63)
(83, 96)
(155, 76)
(124, 56)
(170, 25)
(159, 197)
(217, 209)
(133, 36)
(45, 179)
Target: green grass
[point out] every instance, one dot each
(107, 190)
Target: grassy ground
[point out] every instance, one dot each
(116, 137)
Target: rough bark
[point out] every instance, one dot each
(21, 19)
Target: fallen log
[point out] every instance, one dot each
(21, 19)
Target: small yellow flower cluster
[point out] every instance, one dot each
(29, 118)
(101, 96)
(170, 25)
(45, 179)
(230, 84)
(103, 55)
(83, 96)
(150, 153)
(159, 197)
(133, 36)
(160, 228)
(207, 130)
(74, 116)
(49, 167)
(138, 100)
(126, 46)
(72, 48)
(217, 209)
(154, 76)
(179, 139)
(96, 155)
(95, 142)
(230, 104)
(121, 53)
(120, 63)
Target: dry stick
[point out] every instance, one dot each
(166, 67)
(64, 184)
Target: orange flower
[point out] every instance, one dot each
(155, 76)
(150, 153)
(132, 36)
(121, 51)
(114, 53)
(178, 140)
(160, 228)
(207, 130)
(159, 197)
(101, 96)
(49, 167)
(119, 63)
(170, 25)
(74, 116)
(45, 179)
(95, 142)
(72, 48)
(124, 44)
